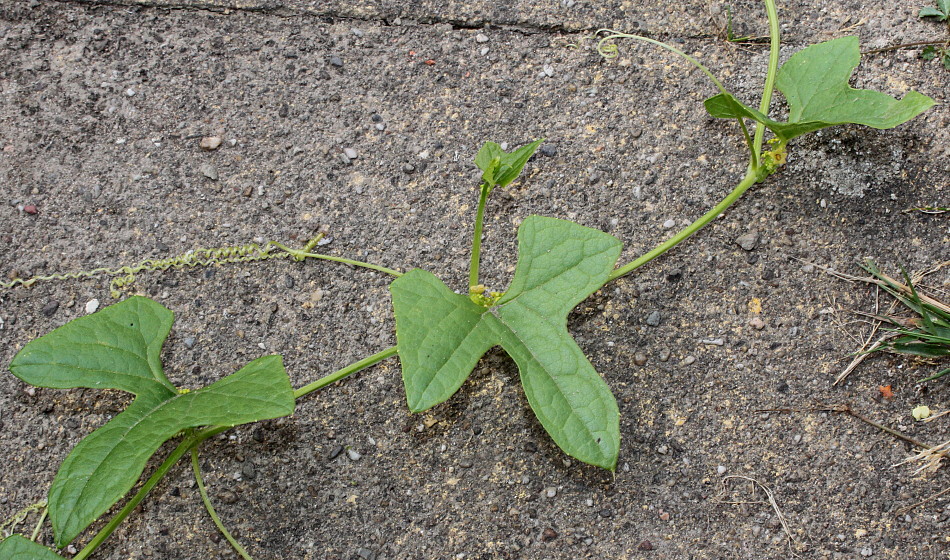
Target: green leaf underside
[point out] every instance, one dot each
(441, 335)
(119, 348)
(815, 84)
(16, 547)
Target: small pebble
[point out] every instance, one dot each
(209, 171)
(748, 241)
(335, 452)
(653, 319)
(548, 150)
(662, 450)
(713, 341)
(353, 454)
(31, 209)
(664, 354)
(669, 224)
(228, 497)
(606, 512)
(867, 551)
(689, 360)
(50, 308)
(757, 323)
(481, 38)
(336, 61)
(210, 143)
(550, 492)
(548, 535)
(639, 358)
(645, 545)
(721, 470)
(664, 516)
(350, 153)
(190, 342)
(92, 305)
(130, 92)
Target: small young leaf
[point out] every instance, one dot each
(119, 348)
(815, 84)
(488, 160)
(513, 163)
(441, 335)
(929, 52)
(930, 11)
(500, 168)
(16, 547)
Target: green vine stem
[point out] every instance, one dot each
(348, 370)
(609, 50)
(214, 515)
(477, 239)
(758, 169)
(191, 441)
(195, 438)
(749, 180)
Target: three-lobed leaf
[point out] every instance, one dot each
(119, 348)
(500, 168)
(16, 547)
(815, 84)
(441, 335)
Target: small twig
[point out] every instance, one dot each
(904, 46)
(907, 509)
(846, 409)
(771, 500)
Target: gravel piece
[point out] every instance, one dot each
(757, 323)
(639, 358)
(31, 209)
(209, 171)
(50, 308)
(190, 342)
(664, 354)
(671, 223)
(210, 143)
(653, 319)
(481, 38)
(748, 241)
(92, 305)
(353, 454)
(689, 360)
(350, 153)
(335, 452)
(336, 61)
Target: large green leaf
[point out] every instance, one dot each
(815, 84)
(441, 335)
(119, 348)
(16, 547)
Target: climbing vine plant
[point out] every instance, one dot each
(441, 333)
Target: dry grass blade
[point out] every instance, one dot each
(770, 499)
(931, 458)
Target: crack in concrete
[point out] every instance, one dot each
(281, 11)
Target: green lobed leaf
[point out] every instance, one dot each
(16, 547)
(119, 348)
(441, 335)
(815, 84)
